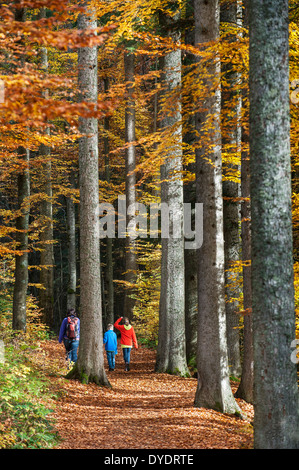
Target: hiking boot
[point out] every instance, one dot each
(127, 367)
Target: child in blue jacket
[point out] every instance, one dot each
(110, 341)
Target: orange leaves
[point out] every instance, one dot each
(25, 105)
(143, 410)
(51, 30)
(41, 104)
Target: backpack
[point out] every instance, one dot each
(72, 328)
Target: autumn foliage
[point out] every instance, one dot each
(36, 100)
(40, 108)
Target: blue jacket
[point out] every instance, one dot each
(110, 341)
(62, 332)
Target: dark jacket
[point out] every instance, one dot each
(62, 332)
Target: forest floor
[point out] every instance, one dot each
(142, 410)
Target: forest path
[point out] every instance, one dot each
(143, 410)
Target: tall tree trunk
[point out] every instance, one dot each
(131, 254)
(171, 351)
(275, 378)
(90, 364)
(245, 389)
(231, 140)
(21, 267)
(109, 242)
(191, 297)
(22, 223)
(213, 388)
(71, 243)
(46, 297)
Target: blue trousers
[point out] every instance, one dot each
(111, 359)
(71, 348)
(127, 354)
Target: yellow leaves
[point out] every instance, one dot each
(20, 370)
(128, 16)
(4, 251)
(7, 435)
(294, 50)
(295, 208)
(148, 291)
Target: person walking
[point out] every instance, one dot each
(127, 339)
(110, 341)
(70, 335)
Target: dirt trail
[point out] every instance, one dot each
(143, 410)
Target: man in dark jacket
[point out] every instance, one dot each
(70, 335)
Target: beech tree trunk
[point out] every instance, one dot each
(22, 224)
(21, 260)
(71, 244)
(109, 241)
(231, 140)
(131, 254)
(245, 389)
(191, 296)
(90, 364)
(213, 388)
(275, 376)
(46, 297)
(171, 351)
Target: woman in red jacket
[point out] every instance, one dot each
(127, 339)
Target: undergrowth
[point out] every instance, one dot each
(27, 398)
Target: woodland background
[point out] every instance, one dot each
(39, 156)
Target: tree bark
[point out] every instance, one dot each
(245, 389)
(231, 140)
(109, 317)
(46, 297)
(190, 255)
(71, 300)
(21, 260)
(22, 224)
(171, 351)
(131, 254)
(90, 364)
(275, 378)
(213, 388)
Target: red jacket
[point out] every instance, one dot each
(127, 334)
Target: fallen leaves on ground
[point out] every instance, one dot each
(142, 410)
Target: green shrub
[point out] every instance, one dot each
(26, 399)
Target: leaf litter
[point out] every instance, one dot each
(142, 410)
